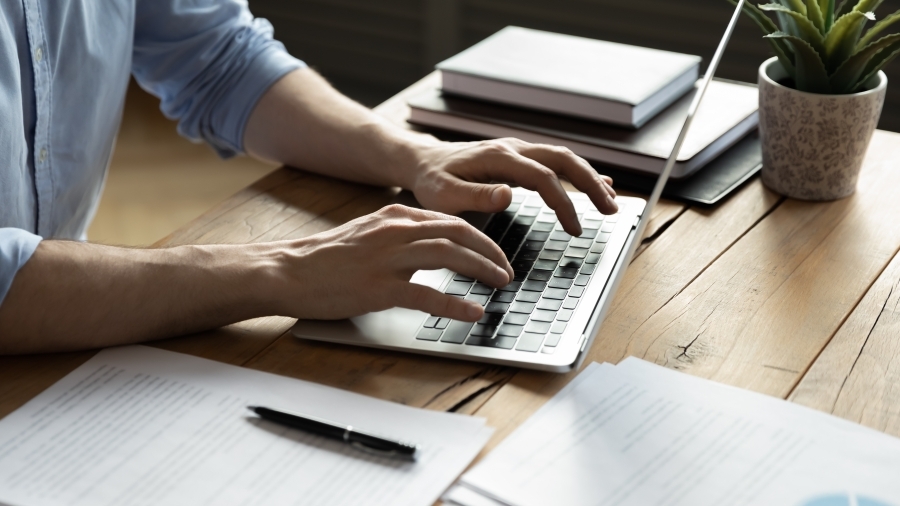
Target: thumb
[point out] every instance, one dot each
(483, 197)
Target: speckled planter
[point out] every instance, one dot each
(813, 145)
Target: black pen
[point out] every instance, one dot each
(346, 433)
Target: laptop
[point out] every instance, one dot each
(548, 316)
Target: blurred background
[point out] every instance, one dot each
(370, 50)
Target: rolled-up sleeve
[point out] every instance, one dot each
(16, 248)
(209, 62)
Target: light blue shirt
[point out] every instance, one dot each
(64, 70)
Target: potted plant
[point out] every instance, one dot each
(821, 96)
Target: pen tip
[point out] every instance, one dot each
(252, 408)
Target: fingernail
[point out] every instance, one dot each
(502, 276)
(473, 311)
(497, 196)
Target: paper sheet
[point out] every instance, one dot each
(138, 425)
(639, 434)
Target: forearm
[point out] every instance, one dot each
(303, 122)
(73, 295)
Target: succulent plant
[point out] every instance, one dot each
(823, 47)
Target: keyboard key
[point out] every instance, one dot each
(593, 215)
(457, 288)
(527, 255)
(491, 319)
(592, 258)
(503, 297)
(538, 236)
(478, 298)
(500, 342)
(602, 237)
(482, 289)
(510, 330)
(552, 339)
(533, 245)
(484, 330)
(591, 224)
(537, 327)
(540, 275)
(566, 272)
(556, 245)
(608, 227)
(496, 307)
(526, 296)
(530, 210)
(588, 233)
(558, 327)
(429, 334)
(545, 265)
(517, 198)
(573, 263)
(522, 265)
(542, 227)
(582, 280)
(442, 323)
(598, 247)
(570, 303)
(518, 229)
(516, 319)
(612, 218)
(460, 277)
(580, 243)
(523, 220)
(456, 332)
(541, 315)
(550, 255)
(576, 291)
(546, 217)
(564, 315)
(430, 322)
(560, 235)
(520, 276)
(560, 283)
(534, 285)
(549, 304)
(530, 342)
(512, 287)
(555, 293)
(576, 252)
(588, 269)
(521, 307)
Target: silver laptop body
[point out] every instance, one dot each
(561, 294)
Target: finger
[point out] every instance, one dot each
(431, 301)
(508, 165)
(461, 233)
(482, 197)
(577, 170)
(443, 253)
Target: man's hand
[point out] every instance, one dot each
(366, 264)
(455, 177)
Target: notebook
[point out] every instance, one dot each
(604, 81)
(727, 114)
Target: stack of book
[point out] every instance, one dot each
(619, 106)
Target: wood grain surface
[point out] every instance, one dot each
(780, 296)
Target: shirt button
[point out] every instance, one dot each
(39, 54)
(42, 155)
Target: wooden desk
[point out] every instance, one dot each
(789, 298)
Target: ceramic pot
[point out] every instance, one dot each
(813, 145)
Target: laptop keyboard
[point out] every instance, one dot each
(551, 268)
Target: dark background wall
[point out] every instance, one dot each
(371, 49)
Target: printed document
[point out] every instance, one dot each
(141, 426)
(639, 434)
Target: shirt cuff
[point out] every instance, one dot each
(16, 248)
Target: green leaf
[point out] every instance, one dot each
(841, 40)
(794, 5)
(814, 13)
(827, 8)
(878, 62)
(784, 53)
(810, 72)
(846, 77)
(802, 26)
(843, 8)
(867, 5)
(878, 28)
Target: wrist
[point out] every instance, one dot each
(409, 155)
